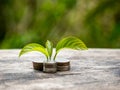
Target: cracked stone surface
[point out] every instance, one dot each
(94, 69)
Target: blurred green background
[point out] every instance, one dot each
(96, 22)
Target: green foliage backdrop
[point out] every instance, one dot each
(96, 22)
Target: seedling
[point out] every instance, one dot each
(66, 43)
(69, 43)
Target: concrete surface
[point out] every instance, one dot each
(95, 69)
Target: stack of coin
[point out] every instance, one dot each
(63, 64)
(49, 67)
(38, 65)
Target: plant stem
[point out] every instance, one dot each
(55, 56)
(47, 59)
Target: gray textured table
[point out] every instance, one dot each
(95, 69)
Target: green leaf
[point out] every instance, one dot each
(34, 47)
(49, 46)
(71, 43)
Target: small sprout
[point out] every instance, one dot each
(68, 42)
